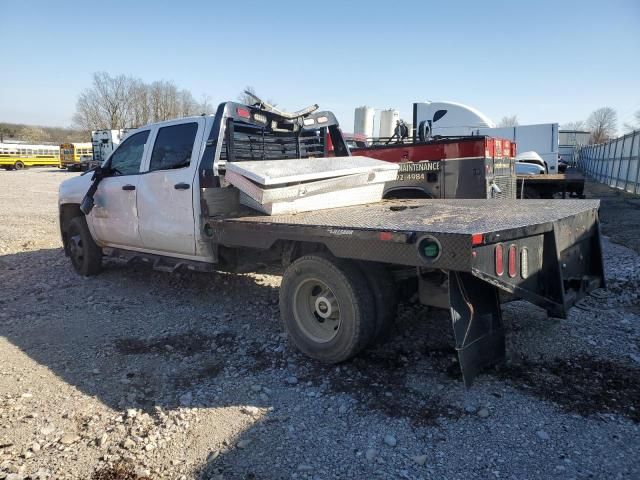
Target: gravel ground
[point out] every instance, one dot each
(141, 374)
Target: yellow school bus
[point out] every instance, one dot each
(74, 155)
(16, 156)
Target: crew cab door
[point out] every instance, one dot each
(166, 193)
(114, 218)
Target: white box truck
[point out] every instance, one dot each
(105, 142)
(541, 138)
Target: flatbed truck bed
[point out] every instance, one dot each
(546, 186)
(545, 251)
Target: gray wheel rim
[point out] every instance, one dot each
(316, 310)
(76, 249)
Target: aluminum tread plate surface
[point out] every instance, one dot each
(278, 172)
(437, 216)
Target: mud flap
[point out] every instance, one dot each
(477, 323)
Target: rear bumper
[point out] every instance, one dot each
(554, 269)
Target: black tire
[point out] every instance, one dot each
(342, 290)
(85, 255)
(18, 165)
(385, 295)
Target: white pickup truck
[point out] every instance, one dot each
(162, 197)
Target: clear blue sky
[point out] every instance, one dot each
(542, 60)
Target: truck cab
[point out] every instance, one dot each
(150, 195)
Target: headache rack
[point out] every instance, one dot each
(262, 132)
(244, 142)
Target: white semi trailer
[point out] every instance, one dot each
(457, 119)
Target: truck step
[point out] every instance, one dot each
(157, 262)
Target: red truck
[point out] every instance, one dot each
(451, 167)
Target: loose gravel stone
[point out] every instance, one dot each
(371, 454)
(243, 444)
(69, 438)
(420, 459)
(390, 440)
(542, 435)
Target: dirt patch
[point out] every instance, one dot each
(378, 380)
(185, 344)
(584, 385)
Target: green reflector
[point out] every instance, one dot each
(430, 249)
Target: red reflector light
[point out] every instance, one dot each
(512, 260)
(385, 235)
(499, 260)
(243, 112)
(477, 239)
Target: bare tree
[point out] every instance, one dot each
(603, 124)
(205, 105)
(121, 102)
(511, 121)
(635, 125)
(577, 125)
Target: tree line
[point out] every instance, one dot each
(114, 102)
(602, 124)
(10, 132)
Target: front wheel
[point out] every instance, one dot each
(18, 165)
(327, 308)
(86, 256)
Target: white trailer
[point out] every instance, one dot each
(105, 142)
(456, 119)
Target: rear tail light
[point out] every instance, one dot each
(499, 259)
(243, 112)
(477, 239)
(329, 144)
(512, 260)
(524, 262)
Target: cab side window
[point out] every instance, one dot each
(126, 160)
(173, 147)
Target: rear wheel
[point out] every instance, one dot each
(385, 296)
(18, 165)
(86, 256)
(327, 308)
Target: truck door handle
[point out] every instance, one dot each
(181, 186)
(128, 187)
